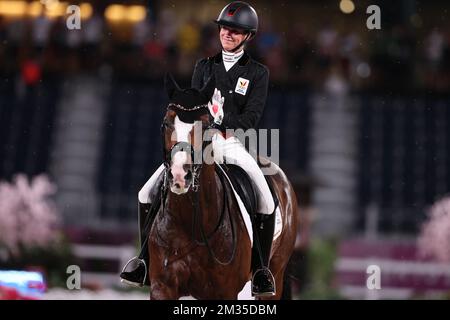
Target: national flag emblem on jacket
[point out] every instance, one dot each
(242, 86)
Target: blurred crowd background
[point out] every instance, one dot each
(363, 116)
(301, 42)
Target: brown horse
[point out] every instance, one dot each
(198, 244)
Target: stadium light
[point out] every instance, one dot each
(347, 6)
(136, 13)
(13, 8)
(35, 9)
(115, 12)
(121, 13)
(56, 9)
(86, 10)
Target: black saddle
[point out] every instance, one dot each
(244, 186)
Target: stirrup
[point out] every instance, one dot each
(136, 284)
(271, 278)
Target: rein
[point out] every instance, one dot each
(198, 215)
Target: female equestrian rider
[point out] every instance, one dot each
(243, 82)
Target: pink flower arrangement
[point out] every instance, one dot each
(28, 216)
(434, 240)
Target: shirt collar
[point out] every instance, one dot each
(242, 61)
(231, 57)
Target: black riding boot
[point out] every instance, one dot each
(139, 275)
(263, 283)
(146, 215)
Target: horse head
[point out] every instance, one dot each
(186, 120)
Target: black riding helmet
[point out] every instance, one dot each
(239, 15)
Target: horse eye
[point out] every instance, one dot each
(167, 123)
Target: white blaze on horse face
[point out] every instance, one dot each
(182, 130)
(180, 158)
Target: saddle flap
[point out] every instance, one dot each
(242, 184)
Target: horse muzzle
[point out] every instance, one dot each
(179, 180)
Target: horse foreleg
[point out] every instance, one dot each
(161, 291)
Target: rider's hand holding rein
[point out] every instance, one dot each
(215, 107)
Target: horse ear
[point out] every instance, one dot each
(208, 89)
(170, 84)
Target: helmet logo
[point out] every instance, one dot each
(232, 11)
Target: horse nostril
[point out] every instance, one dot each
(177, 185)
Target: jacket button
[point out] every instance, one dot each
(231, 91)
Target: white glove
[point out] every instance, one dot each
(215, 106)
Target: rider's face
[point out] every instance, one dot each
(231, 38)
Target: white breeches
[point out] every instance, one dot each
(143, 195)
(229, 151)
